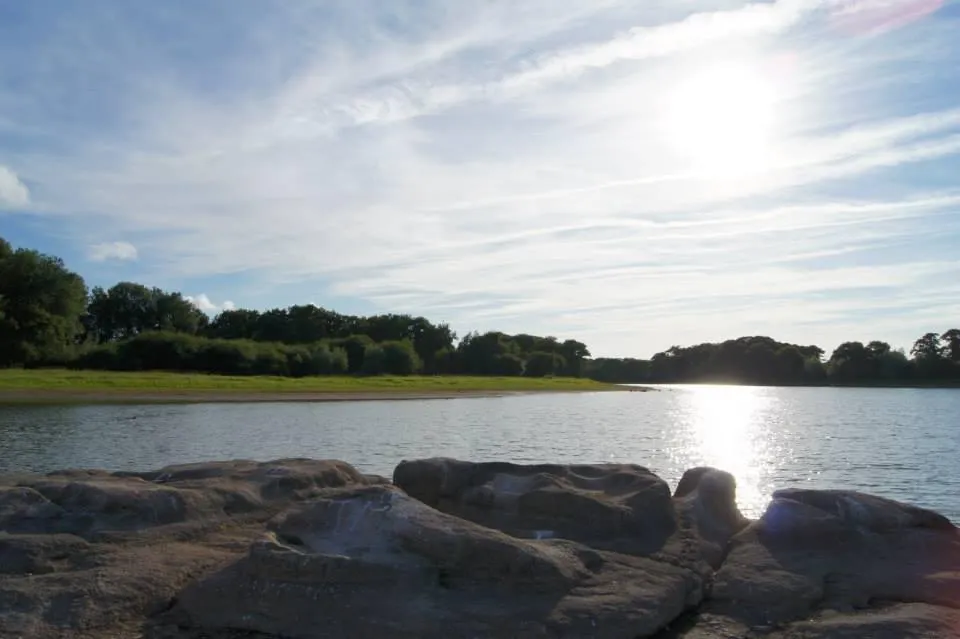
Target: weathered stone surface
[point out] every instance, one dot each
(886, 622)
(617, 506)
(706, 501)
(82, 551)
(86, 502)
(372, 561)
(301, 548)
(837, 551)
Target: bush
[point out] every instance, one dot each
(102, 357)
(181, 352)
(227, 357)
(158, 351)
(355, 348)
(329, 361)
(391, 358)
(271, 360)
(508, 365)
(541, 364)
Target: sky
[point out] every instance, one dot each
(631, 174)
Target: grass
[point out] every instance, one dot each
(58, 381)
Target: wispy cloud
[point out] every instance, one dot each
(512, 165)
(120, 251)
(13, 192)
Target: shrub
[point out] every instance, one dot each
(355, 347)
(541, 364)
(228, 357)
(508, 364)
(391, 358)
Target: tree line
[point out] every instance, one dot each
(933, 359)
(48, 317)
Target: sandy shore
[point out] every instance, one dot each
(219, 396)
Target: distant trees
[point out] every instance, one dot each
(496, 353)
(951, 345)
(127, 309)
(750, 360)
(543, 364)
(40, 306)
(853, 362)
(618, 371)
(764, 361)
(183, 352)
(47, 318)
(391, 358)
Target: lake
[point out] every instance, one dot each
(897, 443)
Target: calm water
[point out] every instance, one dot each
(897, 443)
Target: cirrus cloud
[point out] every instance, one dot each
(504, 165)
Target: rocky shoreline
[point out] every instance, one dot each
(311, 549)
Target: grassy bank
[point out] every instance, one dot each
(52, 385)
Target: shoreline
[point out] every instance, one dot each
(108, 397)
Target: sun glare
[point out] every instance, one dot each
(727, 423)
(721, 120)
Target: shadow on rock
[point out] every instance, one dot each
(83, 551)
(372, 561)
(622, 507)
(839, 552)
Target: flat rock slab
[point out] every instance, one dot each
(82, 552)
(372, 561)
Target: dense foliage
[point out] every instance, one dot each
(762, 360)
(47, 318)
(41, 304)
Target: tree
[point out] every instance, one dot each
(234, 324)
(932, 358)
(927, 347)
(542, 364)
(574, 353)
(478, 353)
(618, 371)
(951, 344)
(40, 306)
(391, 358)
(355, 347)
(128, 309)
(507, 365)
(850, 362)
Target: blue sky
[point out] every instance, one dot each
(633, 174)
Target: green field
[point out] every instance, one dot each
(50, 381)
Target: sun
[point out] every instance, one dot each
(721, 120)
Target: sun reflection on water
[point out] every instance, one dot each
(727, 432)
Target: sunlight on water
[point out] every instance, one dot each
(894, 443)
(728, 432)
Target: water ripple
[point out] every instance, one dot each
(899, 444)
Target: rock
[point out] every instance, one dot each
(813, 551)
(85, 551)
(309, 549)
(372, 561)
(613, 506)
(85, 503)
(40, 554)
(706, 500)
(888, 622)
